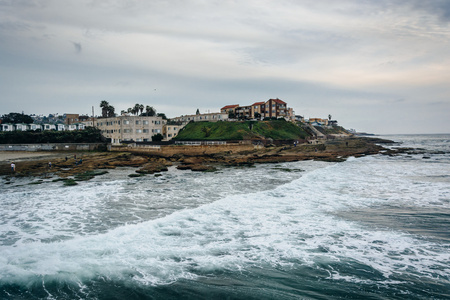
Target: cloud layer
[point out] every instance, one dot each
(379, 66)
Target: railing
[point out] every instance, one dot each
(199, 143)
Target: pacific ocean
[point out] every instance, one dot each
(374, 227)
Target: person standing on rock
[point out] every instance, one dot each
(13, 167)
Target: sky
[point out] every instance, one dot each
(376, 66)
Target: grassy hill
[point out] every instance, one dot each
(273, 129)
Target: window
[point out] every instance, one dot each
(138, 130)
(145, 131)
(145, 122)
(138, 122)
(126, 122)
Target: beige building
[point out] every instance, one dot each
(171, 131)
(130, 128)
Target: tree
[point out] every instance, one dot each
(141, 108)
(329, 117)
(110, 111)
(197, 112)
(136, 108)
(157, 137)
(15, 118)
(104, 105)
(150, 111)
(207, 131)
(257, 115)
(162, 115)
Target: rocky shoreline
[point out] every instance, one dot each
(84, 165)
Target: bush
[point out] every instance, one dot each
(89, 135)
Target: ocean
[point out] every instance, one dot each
(374, 227)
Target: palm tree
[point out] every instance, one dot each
(111, 111)
(136, 108)
(104, 105)
(141, 108)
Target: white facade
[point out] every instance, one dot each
(80, 126)
(33, 127)
(60, 127)
(20, 127)
(7, 127)
(210, 117)
(49, 127)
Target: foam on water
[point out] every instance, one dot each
(282, 227)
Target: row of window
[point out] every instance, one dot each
(127, 122)
(131, 130)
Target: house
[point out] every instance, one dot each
(80, 126)
(34, 127)
(299, 118)
(48, 127)
(60, 127)
(71, 127)
(318, 121)
(7, 127)
(20, 127)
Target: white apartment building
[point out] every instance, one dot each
(130, 128)
(210, 117)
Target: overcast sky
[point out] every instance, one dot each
(376, 66)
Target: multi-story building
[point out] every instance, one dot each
(130, 128)
(272, 108)
(275, 108)
(171, 131)
(229, 109)
(244, 112)
(71, 119)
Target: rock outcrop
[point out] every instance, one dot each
(66, 165)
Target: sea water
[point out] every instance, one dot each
(375, 227)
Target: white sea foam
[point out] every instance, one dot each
(286, 226)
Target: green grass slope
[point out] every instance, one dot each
(273, 129)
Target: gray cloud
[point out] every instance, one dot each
(77, 47)
(348, 58)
